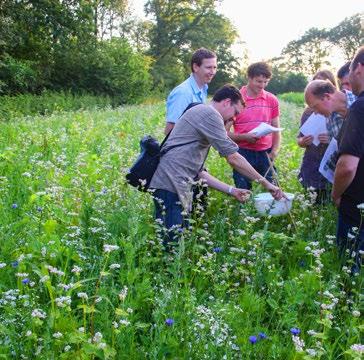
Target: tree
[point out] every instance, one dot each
(309, 53)
(348, 36)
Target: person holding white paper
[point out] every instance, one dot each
(261, 107)
(309, 175)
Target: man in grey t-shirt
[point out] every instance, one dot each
(197, 130)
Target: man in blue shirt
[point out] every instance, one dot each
(193, 89)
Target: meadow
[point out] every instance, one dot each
(84, 276)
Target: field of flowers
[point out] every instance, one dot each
(84, 276)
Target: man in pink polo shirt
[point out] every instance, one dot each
(261, 106)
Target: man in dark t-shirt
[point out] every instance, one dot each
(348, 188)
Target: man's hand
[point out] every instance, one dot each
(273, 154)
(229, 124)
(250, 138)
(324, 138)
(337, 201)
(305, 141)
(242, 195)
(275, 191)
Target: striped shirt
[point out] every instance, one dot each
(263, 108)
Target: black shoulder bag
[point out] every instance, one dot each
(144, 167)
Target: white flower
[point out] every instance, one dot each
(360, 206)
(124, 322)
(356, 313)
(114, 266)
(28, 333)
(39, 314)
(2, 265)
(123, 293)
(97, 338)
(82, 295)
(109, 248)
(311, 352)
(359, 348)
(76, 269)
(81, 329)
(67, 348)
(57, 335)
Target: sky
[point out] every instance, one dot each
(267, 26)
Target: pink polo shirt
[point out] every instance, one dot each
(263, 108)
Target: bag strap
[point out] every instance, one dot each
(165, 139)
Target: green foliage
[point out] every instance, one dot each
(12, 107)
(293, 97)
(348, 36)
(19, 76)
(180, 28)
(283, 82)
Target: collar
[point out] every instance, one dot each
(244, 93)
(195, 87)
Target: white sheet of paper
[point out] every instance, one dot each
(314, 125)
(326, 172)
(264, 129)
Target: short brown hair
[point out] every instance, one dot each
(258, 69)
(325, 75)
(228, 91)
(199, 55)
(358, 58)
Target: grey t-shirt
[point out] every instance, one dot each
(203, 126)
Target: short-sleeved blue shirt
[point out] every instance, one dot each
(183, 95)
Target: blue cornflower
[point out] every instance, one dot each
(295, 331)
(15, 263)
(169, 322)
(14, 206)
(25, 281)
(262, 335)
(217, 249)
(253, 339)
(39, 209)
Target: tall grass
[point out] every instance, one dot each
(12, 107)
(84, 276)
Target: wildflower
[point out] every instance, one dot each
(97, 338)
(57, 335)
(15, 263)
(217, 249)
(299, 344)
(124, 322)
(123, 293)
(253, 339)
(76, 269)
(295, 331)
(109, 248)
(360, 206)
(25, 281)
(39, 209)
(14, 206)
(28, 333)
(67, 348)
(37, 313)
(81, 329)
(359, 348)
(262, 335)
(114, 266)
(169, 322)
(2, 265)
(356, 313)
(82, 295)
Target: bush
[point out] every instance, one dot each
(18, 76)
(293, 97)
(109, 68)
(48, 102)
